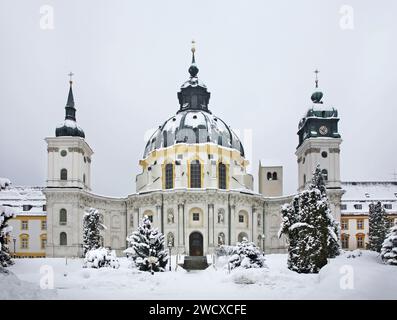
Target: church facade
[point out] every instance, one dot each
(194, 184)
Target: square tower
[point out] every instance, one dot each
(270, 178)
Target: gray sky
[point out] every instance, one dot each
(256, 58)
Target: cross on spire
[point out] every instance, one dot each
(316, 72)
(71, 74)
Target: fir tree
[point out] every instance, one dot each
(92, 230)
(377, 226)
(389, 247)
(310, 228)
(6, 213)
(147, 245)
(247, 256)
(333, 227)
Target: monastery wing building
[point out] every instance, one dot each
(194, 184)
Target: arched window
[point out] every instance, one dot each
(242, 236)
(360, 240)
(222, 176)
(274, 177)
(269, 176)
(63, 217)
(64, 174)
(324, 172)
(169, 176)
(304, 179)
(195, 174)
(84, 178)
(63, 239)
(345, 241)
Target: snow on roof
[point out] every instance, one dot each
(32, 198)
(270, 163)
(370, 191)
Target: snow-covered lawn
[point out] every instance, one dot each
(363, 277)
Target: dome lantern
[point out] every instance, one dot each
(193, 94)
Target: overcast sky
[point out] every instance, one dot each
(256, 58)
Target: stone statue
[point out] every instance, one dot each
(170, 216)
(170, 239)
(220, 216)
(221, 239)
(259, 220)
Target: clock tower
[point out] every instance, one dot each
(319, 144)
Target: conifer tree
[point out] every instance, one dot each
(310, 228)
(377, 226)
(389, 247)
(147, 245)
(92, 230)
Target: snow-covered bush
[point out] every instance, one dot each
(389, 247)
(101, 257)
(247, 255)
(250, 276)
(312, 232)
(378, 226)
(92, 227)
(6, 213)
(225, 250)
(147, 248)
(4, 183)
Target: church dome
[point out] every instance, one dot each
(193, 126)
(193, 123)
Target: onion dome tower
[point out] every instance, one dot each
(69, 155)
(69, 127)
(319, 144)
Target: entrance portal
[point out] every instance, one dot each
(196, 244)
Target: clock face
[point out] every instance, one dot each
(323, 130)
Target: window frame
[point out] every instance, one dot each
(222, 176)
(196, 215)
(195, 174)
(169, 176)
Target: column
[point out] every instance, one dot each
(254, 225)
(232, 223)
(158, 217)
(180, 225)
(211, 225)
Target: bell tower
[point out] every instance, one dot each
(69, 155)
(319, 144)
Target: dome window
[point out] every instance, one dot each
(169, 176)
(195, 174)
(222, 176)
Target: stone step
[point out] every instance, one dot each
(195, 263)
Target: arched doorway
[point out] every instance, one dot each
(196, 244)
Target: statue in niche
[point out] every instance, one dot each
(221, 239)
(170, 216)
(170, 239)
(221, 216)
(259, 220)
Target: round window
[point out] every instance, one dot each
(63, 153)
(324, 154)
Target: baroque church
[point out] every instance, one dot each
(194, 184)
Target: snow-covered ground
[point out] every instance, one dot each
(362, 277)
